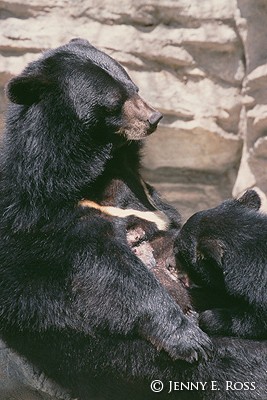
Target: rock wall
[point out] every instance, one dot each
(202, 63)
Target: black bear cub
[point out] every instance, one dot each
(224, 251)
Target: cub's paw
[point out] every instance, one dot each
(215, 322)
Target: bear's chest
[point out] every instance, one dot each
(129, 201)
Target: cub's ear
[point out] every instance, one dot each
(250, 199)
(209, 248)
(25, 89)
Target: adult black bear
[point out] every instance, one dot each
(74, 298)
(224, 251)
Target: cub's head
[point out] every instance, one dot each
(216, 242)
(87, 89)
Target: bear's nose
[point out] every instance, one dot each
(155, 118)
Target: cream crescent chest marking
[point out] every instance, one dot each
(157, 217)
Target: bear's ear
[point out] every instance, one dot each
(80, 40)
(209, 248)
(25, 89)
(250, 199)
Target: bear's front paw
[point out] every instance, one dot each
(186, 342)
(215, 322)
(189, 343)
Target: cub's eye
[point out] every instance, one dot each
(181, 258)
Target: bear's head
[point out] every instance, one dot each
(222, 240)
(88, 89)
(73, 113)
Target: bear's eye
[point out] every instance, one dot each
(113, 109)
(113, 104)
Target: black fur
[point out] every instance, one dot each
(74, 298)
(224, 251)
